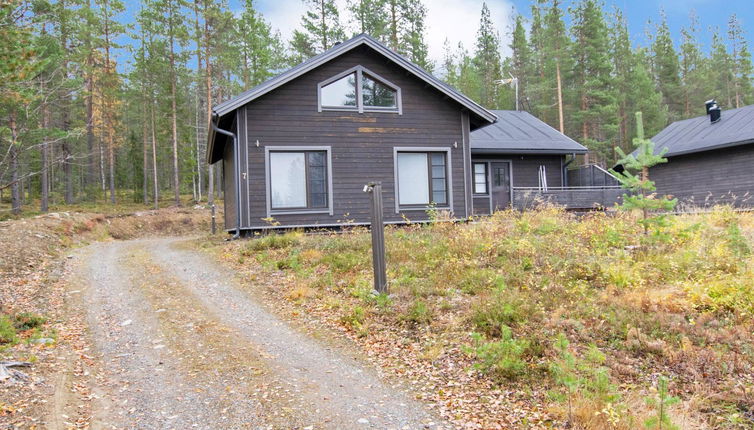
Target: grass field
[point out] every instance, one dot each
(544, 318)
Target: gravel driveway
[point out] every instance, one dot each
(182, 346)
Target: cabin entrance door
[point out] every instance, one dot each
(500, 181)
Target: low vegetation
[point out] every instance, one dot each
(603, 324)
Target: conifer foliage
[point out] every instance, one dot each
(108, 102)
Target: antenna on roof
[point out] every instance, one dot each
(513, 82)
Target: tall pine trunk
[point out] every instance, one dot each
(199, 161)
(208, 83)
(174, 110)
(560, 97)
(90, 157)
(154, 156)
(44, 149)
(15, 186)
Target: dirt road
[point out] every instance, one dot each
(181, 346)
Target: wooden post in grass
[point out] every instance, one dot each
(214, 222)
(378, 237)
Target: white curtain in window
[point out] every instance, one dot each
(288, 179)
(413, 178)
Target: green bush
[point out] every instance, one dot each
(7, 331)
(418, 313)
(503, 359)
(27, 321)
(272, 241)
(354, 319)
(503, 309)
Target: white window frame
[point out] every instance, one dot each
(448, 176)
(486, 178)
(268, 180)
(360, 108)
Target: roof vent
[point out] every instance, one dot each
(714, 113)
(708, 104)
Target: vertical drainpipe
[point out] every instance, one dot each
(237, 173)
(565, 169)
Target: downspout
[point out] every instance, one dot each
(237, 173)
(565, 169)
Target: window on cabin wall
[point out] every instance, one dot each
(298, 180)
(480, 178)
(360, 90)
(422, 178)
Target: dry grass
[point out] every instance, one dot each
(678, 304)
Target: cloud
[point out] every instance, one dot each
(456, 20)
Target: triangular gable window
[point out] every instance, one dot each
(361, 90)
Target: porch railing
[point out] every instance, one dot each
(569, 197)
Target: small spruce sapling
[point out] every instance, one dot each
(565, 372)
(661, 403)
(642, 194)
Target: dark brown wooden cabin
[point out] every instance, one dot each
(521, 162)
(312, 137)
(709, 162)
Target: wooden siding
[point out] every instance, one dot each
(229, 190)
(707, 178)
(361, 144)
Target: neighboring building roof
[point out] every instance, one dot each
(736, 127)
(226, 107)
(520, 132)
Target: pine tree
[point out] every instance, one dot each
(321, 24)
(521, 59)
(666, 70)
(642, 190)
(719, 71)
(370, 17)
(259, 47)
(557, 64)
(597, 105)
(487, 59)
(692, 69)
(741, 66)
(634, 87)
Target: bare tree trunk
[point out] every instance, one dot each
(560, 97)
(145, 160)
(154, 159)
(65, 117)
(15, 188)
(199, 161)
(174, 111)
(44, 148)
(90, 157)
(208, 82)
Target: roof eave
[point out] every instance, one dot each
(527, 151)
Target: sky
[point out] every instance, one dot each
(458, 20)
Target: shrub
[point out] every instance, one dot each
(504, 359)
(418, 313)
(27, 321)
(272, 241)
(7, 331)
(490, 315)
(354, 319)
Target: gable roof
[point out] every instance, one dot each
(522, 133)
(482, 115)
(736, 127)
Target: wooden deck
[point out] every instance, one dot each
(568, 197)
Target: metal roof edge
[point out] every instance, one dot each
(527, 151)
(710, 148)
